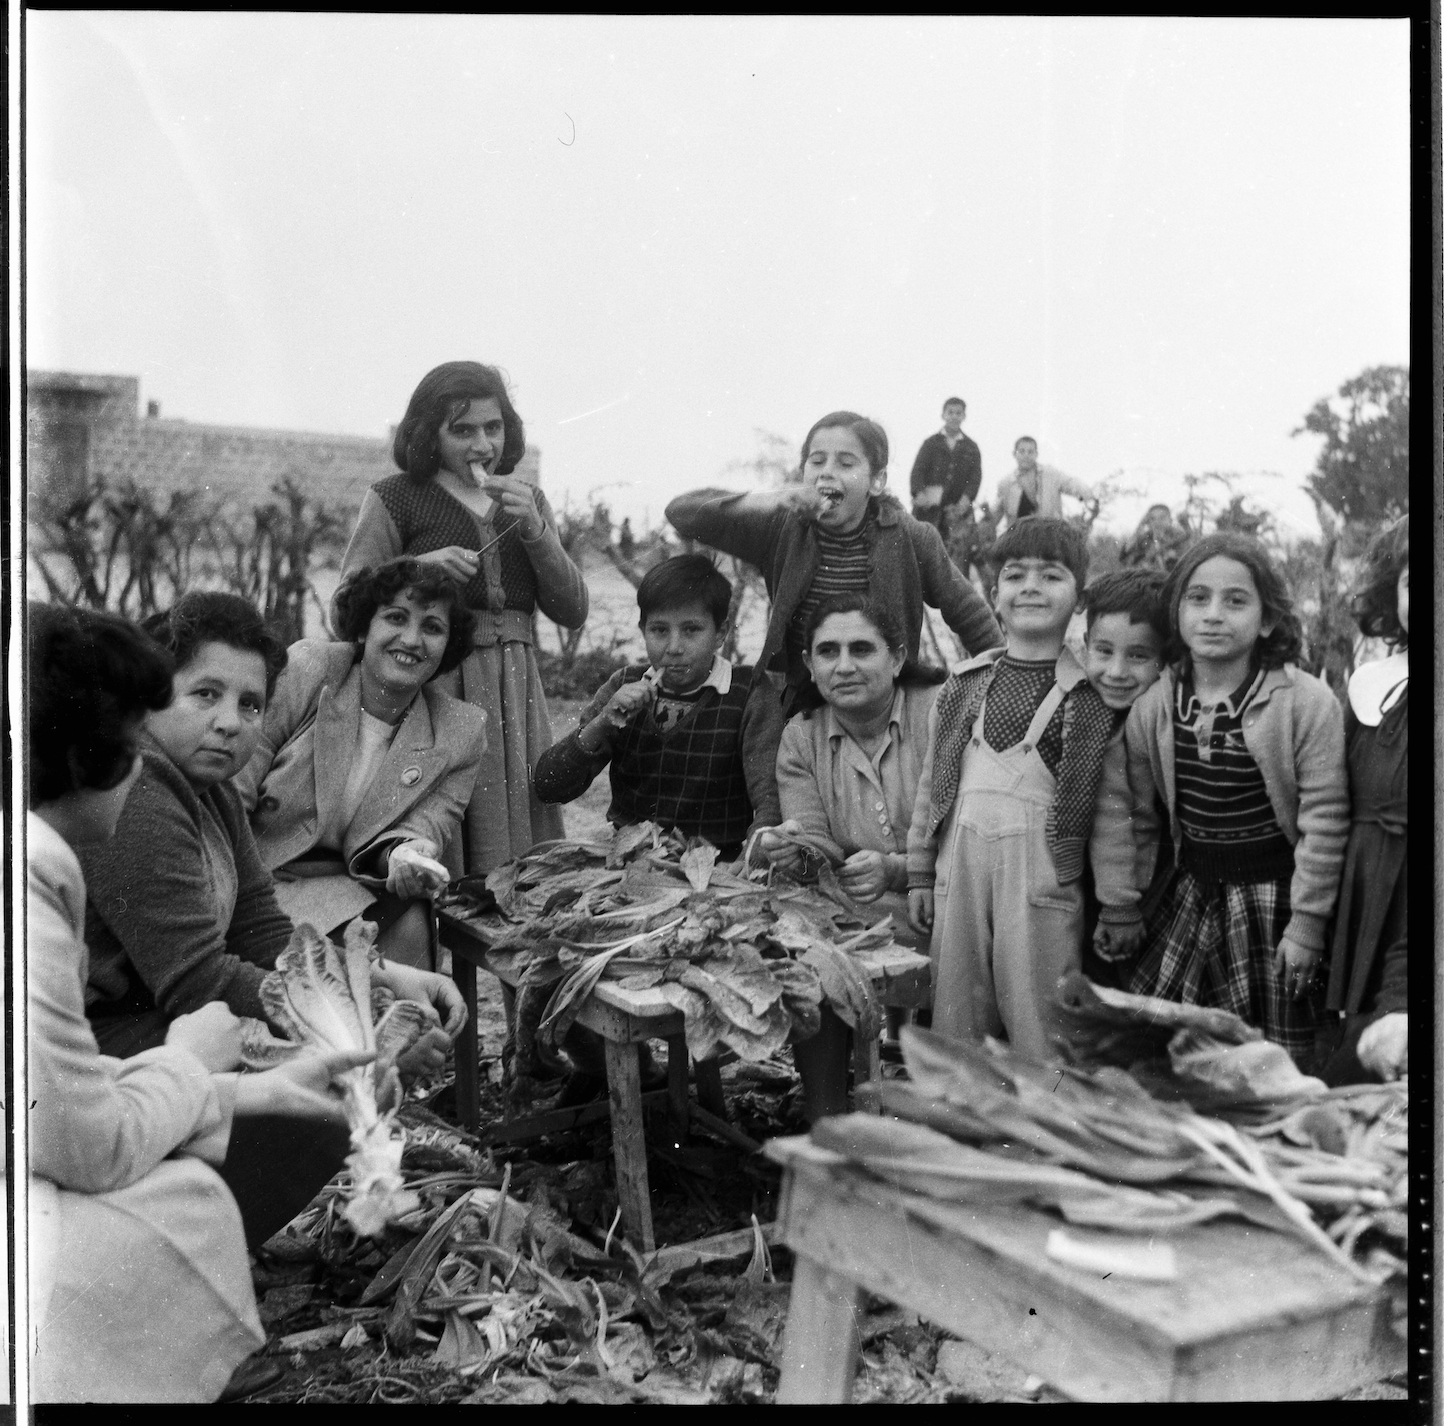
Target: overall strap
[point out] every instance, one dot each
(1046, 709)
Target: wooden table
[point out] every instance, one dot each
(1253, 1315)
(624, 1018)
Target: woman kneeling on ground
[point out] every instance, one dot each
(140, 1285)
(847, 778)
(181, 911)
(363, 767)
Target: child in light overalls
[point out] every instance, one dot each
(1006, 807)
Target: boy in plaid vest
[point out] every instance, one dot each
(687, 744)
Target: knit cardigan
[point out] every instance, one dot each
(1294, 730)
(910, 567)
(152, 924)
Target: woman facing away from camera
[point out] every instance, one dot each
(457, 503)
(140, 1287)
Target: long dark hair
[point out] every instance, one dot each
(1285, 643)
(1376, 604)
(443, 394)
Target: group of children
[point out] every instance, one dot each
(1171, 814)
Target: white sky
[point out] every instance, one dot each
(1151, 243)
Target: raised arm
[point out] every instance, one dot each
(570, 766)
(748, 525)
(945, 589)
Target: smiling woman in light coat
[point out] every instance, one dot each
(364, 767)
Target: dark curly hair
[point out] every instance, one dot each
(442, 395)
(1376, 602)
(365, 590)
(208, 616)
(1285, 643)
(1138, 593)
(92, 678)
(1040, 537)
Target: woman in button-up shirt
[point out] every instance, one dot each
(847, 773)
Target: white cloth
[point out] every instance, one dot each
(1376, 687)
(140, 1286)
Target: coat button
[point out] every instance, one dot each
(410, 777)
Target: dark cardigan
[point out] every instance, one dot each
(151, 922)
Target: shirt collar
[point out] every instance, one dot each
(895, 722)
(720, 678)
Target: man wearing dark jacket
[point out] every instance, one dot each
(948, 471)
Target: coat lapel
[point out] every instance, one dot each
(338, 726)
(407, 773)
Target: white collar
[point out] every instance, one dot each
(720, 678)
(1375, 687)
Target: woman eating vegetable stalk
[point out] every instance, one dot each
(363, 767)
(181, 910)
(140, 1288)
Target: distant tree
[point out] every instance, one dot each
(1362, 472)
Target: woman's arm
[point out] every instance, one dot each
(561, 592)
(945, 588)
(922, 845)
(259, 929)
(1321, 770)
(150, 887)
(375, 538)
(799, 796)
(98, 1124)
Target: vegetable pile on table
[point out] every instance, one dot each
(749, 957)
(1167, 1115)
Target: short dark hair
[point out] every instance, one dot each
(1376, 604)
(209, 616)
(365, 590)
(1285, 643)
(685, 579)
(1137, 593)
(1040, 537)
(92, 677)
(1021, 439)
(442, 395)
(955, 401)
(858, 601)
(871, 437)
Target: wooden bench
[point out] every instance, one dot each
(1252, 1315)
(624, 1018)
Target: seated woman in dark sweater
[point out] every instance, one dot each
(180, 910)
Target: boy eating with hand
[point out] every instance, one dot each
(1006, 807)
(688, 746)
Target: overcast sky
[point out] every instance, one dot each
(1150, 243)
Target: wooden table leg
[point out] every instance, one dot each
(819, 1349)
(709, 1087)
(468, 1084)
(677, 1085)
(866, 1062)
(629, 1147)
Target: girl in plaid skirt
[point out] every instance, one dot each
(1247, 753)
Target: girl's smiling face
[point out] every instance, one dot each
(1220, 616)
(405, 642)
(838, 468)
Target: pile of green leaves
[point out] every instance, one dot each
(749, 957)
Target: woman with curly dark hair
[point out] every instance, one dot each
(1247, 753)
(1366, 1031)
(363, 767)
(456, 503)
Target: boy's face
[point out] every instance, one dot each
(1035, 598)
(1026, 454)
(1121, 658)
(953, 414)
(681, 644)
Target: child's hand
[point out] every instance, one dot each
(806, 500)
(779, 852)
(1384, 1046)
(1295, 964)
(518, 498)
(863, 876)
(1117, 943)
(920, 909)
(624, 705)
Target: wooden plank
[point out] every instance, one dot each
(866, 1063)
(725, 1131)
(558, 1121)
(819, 1347)
(468, 1073)
(1250, 1307)
(629, 1149)
(708, 1074)
(677, 1085)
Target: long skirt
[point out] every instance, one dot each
(143, 1294)
(1216, 948)
(505, 818)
